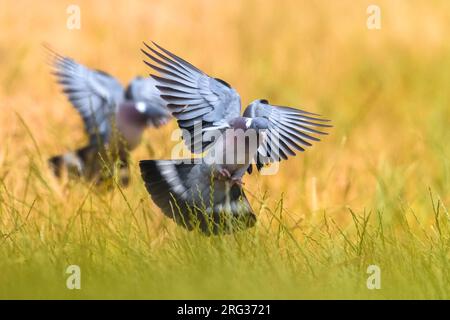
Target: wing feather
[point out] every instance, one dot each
(193, 97)
(289, 130)
(94, 94)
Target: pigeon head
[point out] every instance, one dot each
(256, 103)
(239, 123)
(259, 123)
(133, 87)
(152, 115)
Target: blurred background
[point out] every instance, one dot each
(386, 91)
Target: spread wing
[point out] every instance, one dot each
(289, 130)
(93, 93)
(193, 97)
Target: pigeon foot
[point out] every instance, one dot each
(224, 174)
(237, 181)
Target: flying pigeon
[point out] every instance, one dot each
(114, 118)
(206, 193)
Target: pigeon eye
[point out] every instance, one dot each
(264, 101)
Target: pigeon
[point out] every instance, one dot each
(114, 118)
(206, 193)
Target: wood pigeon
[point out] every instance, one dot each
(206, 193)
(114, 118)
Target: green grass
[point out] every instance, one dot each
(126, 251)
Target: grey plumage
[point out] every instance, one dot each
(184, 193)
(192, 95)
(288, 130)
(112, 116)
(195, 98)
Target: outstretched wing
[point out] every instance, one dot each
(289, 130)
(193, 97)
(94, 94)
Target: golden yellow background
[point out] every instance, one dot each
(317, 55)
(386, 91)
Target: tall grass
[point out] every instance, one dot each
(374, 192)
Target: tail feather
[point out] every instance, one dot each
(86, 162)
(56, 164)
(186, 193)
(75, 162)
(165, 191)
(69, 160)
